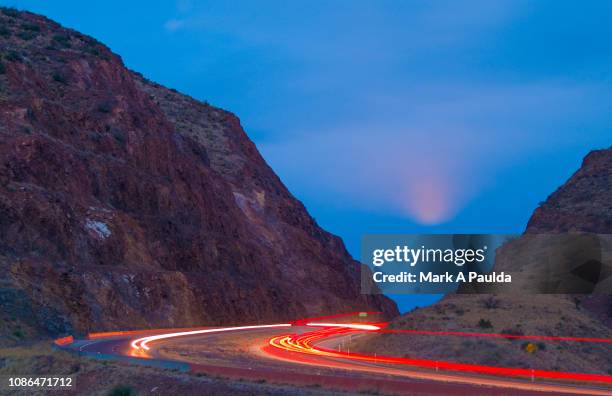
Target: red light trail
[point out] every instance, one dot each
(305, 343)
(499, 335)
(314, 347)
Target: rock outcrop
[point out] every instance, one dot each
(582, 204)
(124, 204)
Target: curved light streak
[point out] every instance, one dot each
(305, 344)
(141, 343)
(346, 325)
(500, 335)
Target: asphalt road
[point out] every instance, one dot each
(307, 355)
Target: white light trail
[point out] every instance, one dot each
(142, 342)
(355, 326)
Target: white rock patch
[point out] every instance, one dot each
(99, 228)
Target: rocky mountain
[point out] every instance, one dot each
(582, 204)
(124, 204)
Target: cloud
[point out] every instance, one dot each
(173, 25)
(424, 154)
(184, 5)
(389, 171)
(407, 108)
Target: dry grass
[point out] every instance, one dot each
(96, 377)
(529, 315)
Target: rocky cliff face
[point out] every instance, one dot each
(124, 204)
(582, 204)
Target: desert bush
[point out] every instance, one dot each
(121, 139)
(96, 49)
(485, 324)
(31, 26)
(105, 107)
(491, 302)
(26, 35)
(62, 39)
(122, 390)
(10, 11)
(59, 78)
(13, 56)
(93, 51)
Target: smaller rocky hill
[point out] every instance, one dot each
(582, 204)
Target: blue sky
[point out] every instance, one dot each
(386, 116)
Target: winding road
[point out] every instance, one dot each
(314, 352)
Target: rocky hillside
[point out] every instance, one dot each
(124, 204)
(584, 204)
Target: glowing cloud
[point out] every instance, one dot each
(429, 200)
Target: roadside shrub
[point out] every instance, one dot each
(491, 303)
(122, 390)
(93, 51)
(105, 107)
(62, 39)
(485, 324)
(31, 26)
(10, 11)
(26, 35)
(57, 77)
(368, 391)
(120, 138)
(13, 56)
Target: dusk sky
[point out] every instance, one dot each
(386, 117)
